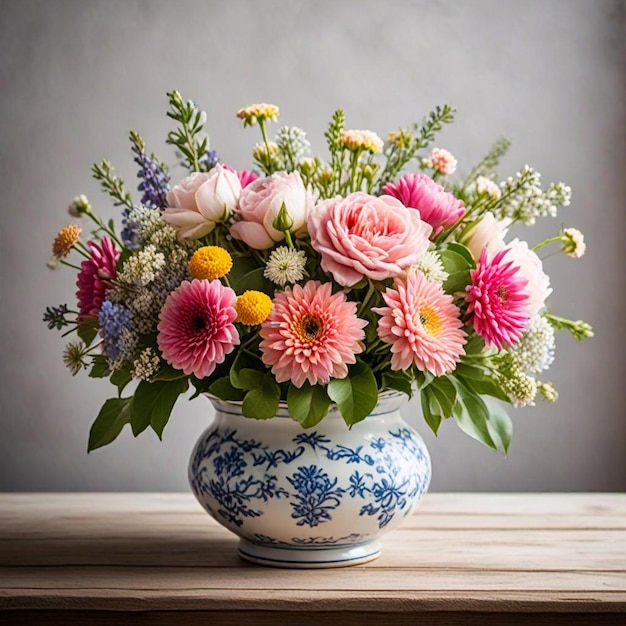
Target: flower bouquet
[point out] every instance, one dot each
(312, 281)
(314, 291)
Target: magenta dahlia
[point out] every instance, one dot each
(421, 322)
(311, 334)
(498, 300)
(436, 206)
(196, 329)
(95, 276)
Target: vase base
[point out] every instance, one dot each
(308, 558)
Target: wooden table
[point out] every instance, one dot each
(462, 559)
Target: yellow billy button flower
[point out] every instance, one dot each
(66, 238)
(253, 307)
(257, 113)
(210, 262)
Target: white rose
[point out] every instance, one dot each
(202, 200)
(531, 268)
(488, 233)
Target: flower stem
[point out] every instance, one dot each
(546, 242)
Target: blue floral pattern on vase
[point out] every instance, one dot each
(316, 495)
(234, 476)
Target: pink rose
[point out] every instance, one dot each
(363, 235)
(202, 200)
(245, 177)
(436, 206)
(260, 203)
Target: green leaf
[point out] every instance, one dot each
(87, 333)
(253, 280)
(100, 368)
(262, 403)
(120, 378)
(475, 344)
(248, 378)
(487, 387)
(167, 372)
(432, 419)
(457, 281)
(472, 415)
(444, 392)
(242, 361)
(223, 389)
(113, 415)
(460, 249)
(500, 426)
(356, 395)
(153, 403)
(399, 382)
(307, 405)
(453, 261)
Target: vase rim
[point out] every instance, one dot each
(389, 394)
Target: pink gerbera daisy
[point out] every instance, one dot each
(422, 325)
(436, 206)
(196, 329)
(498, 300)
(95, 276)
(311, 334)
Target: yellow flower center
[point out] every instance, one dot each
(253, 307)
(308, 328)
(431, 320)
(210, 262)
(65, 239)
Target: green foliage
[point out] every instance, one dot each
(113, 415)
(224, 390)
(153, 402)
(188, 137)
(401, 153)
(400, 381)
(261, 402)
(356, 395)
(111, 184)
(100, 367)
(308, 404)
(489, 162)
(336, 126)
(491, 427)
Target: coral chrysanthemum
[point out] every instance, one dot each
(311, 334)
(421, 322)
(195, 327)
(95, 276)
(498, 300)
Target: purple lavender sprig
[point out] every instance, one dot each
(155, 179)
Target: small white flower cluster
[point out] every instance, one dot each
(487, 186)
(145, 365)
(141, 268)
(152, 228)
(523, 200)
(521, 388)
(534, 352)
(547, 391)
(292, 142)
(431, 266)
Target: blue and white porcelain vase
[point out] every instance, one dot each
(313, 498)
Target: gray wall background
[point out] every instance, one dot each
(76, 75)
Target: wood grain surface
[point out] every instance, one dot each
(461, 559)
